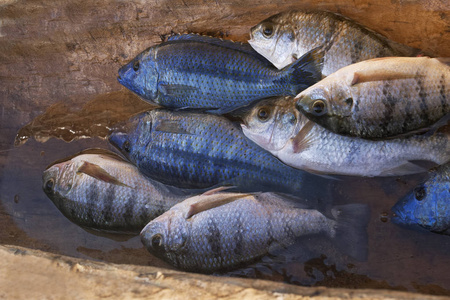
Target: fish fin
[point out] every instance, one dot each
(301, 142)
(99, 173)
(306, 71)
(444, 60)
(379, 75)
(229, 44)
(350, 229)
(409, 167)
(216, 190)
(175, 89)
(207, 203)
(171, 126)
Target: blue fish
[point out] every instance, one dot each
(192, 71)
(428, 205)
(198, 150)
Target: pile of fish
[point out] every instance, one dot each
(225, 172)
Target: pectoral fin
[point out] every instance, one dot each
(171, 126)
(208, 201)
(175, 89)
(99, 173)
(301, 141)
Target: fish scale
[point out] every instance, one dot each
(247, 228)
(126, 205)
(306, 145)
(287, 35)
(390, 97)
(192, 71)
(196, 150)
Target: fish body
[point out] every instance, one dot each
(197, 150)
(380, 98)
(223, 231)
(101, 192)
(192, 71)
(285, 36)
(300, 143)
(428, 205)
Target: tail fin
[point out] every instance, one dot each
(350, 225)
(305, 71)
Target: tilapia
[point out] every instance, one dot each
(103, 192)
(220, 231)
(428, 205)
(193, 71)
(196, 151)
(288, 35)
(278, 127)
(381, 98)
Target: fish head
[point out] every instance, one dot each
(58, 180)
(275, 41)
(166, 236)
(140, 75)
(271, 123)
(325, 103)
(426, 207)
(128, 136)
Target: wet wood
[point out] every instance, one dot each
(32, 274)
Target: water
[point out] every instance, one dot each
(399, 259)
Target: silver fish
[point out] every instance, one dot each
(380, 98)
(279, 128)
(219, 231)
(285, 36)
(103, 192)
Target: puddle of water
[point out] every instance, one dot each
(399, 259)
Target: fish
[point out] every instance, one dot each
(381, 98)
(286, 36)
(277, 126)
(201, 72)
(193, 150)
(103, 192)
(427, 206)
(219, 231)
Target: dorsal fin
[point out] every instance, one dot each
(238, 46)
(380, 75)
(99, 173)
(211, 201)
(89, 151)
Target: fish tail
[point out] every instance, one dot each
(349, 229)
(305, 71)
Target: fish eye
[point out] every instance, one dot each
(349, 101)
(126, 146)
(267, 30)
(48, 186)
(318, 108)
(136, 66)
(420, 192)
(263, 114)
(157, 241)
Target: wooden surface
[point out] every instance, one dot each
(70, 51)
(32, 274)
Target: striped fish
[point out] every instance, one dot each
(380, 98)
(288, 35)
(222, 231)
(278, 127)
(103, 192)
